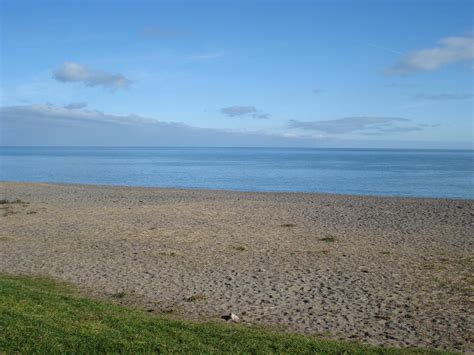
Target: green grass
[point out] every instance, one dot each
(196, 298)
(41, 316)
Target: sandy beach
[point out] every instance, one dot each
(381, 270)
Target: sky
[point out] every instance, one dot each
(349, 74)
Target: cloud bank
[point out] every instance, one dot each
(50, 125)
(443, 97)
(449, 50)
(374, 125)
(380, 131)
(74, 72)
(41, 125)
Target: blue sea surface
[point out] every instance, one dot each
(425, 173)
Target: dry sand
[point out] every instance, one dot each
(386, 271)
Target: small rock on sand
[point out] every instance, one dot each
(231, 317)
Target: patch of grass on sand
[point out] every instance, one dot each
(196, 298)
(239, 248)
(120, 294)
(454, 273)
(9, 209)
(166, 253)
(41, 316)
(4, 239)
(328, 239)
(17, 201)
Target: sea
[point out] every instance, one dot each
(382, 172)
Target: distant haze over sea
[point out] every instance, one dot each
(420, 173)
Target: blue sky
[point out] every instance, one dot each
(396, 74)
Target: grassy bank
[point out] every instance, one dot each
(39, 315)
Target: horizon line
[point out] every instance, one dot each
(229, 147)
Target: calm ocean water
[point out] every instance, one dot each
(367, 172)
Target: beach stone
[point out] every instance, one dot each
(231, 317)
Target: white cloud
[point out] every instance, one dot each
(233, 111)
(449, 50)
(74, 72)
(244, 111)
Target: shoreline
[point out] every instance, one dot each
(327, 194)
(390, 271)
